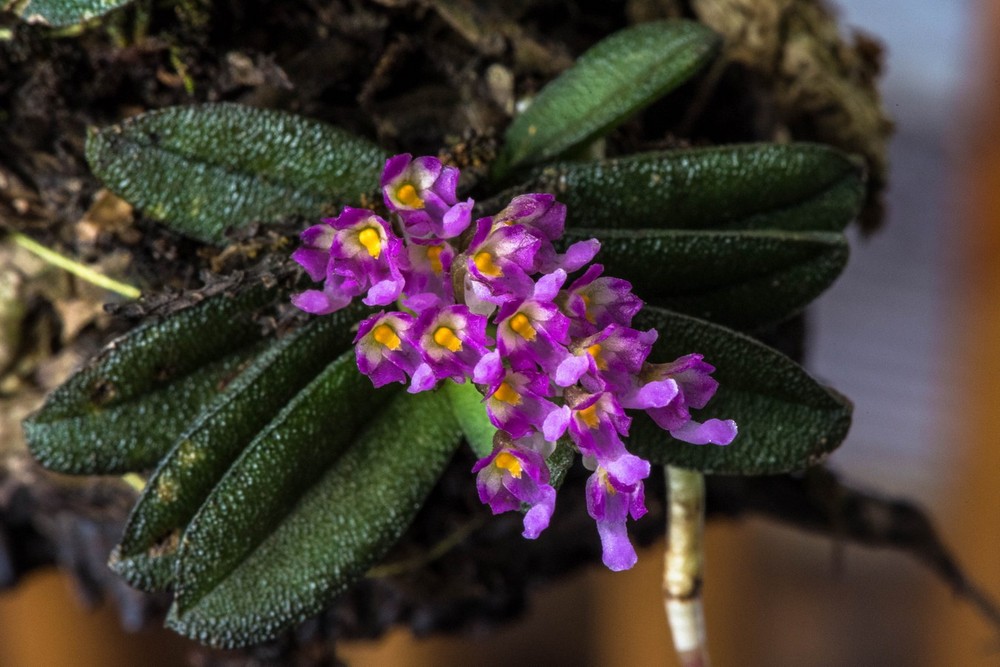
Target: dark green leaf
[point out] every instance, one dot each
(60, 13)
(796, 187)
(264, 483)
(743, 279)
(207, 448)
(560, 461)
(618, 76)
(470, 412)
(125, 408)
(204, 169)
(336, 530)
(787, 421)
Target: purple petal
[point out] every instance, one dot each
(537, 518)
(617, 552)
(423, 379)
(571, 369)
(317, 302)
(655, 394)
(548, 285)
(713, 431)
(418, 303)
(579, 254)
(556, 423)
(447, 181)
(386, 373)
(625, 471)
(394, 166)
(489, 370)
(383, 293)
(313, 260)
(457, 219)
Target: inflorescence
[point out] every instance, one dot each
(491, 304)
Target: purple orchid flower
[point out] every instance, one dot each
(541, 216)
(607, 360)
(422, 192)
(596, 424)
(499, 262)
(517, 402)
(533, 332)
(511, 476)
(695, 388)
(451, 341)
(364, 257)
(428, 276)
(383, 348)
(609, 503)
(565, 362)
(593, 302)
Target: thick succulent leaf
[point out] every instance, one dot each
(618, 76)
(796, 187)
(204, 169)
(208, 447)
(560, 461)
(787, 421)
(743, 279)
(124, 409)
(60, 13)
(270, 475)
(470, 412)
(337, 528)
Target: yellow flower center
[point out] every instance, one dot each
(589, 316)
(607, 485)
(589, 417)
(446, 338)
(384, 334)
(507, 394)
(595, 351)
(509, 462)
(407, 196)
(434, 257)
(371, 240)
(484, 262)
(521, 325)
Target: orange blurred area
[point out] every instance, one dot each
(42, 624)
(774, 596)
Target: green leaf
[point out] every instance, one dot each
(787, 421)
(615, 78)
(742, 279)
(560, 461)
(470, 412)
(263, 484)
(204, 169)
(60, 13)
(124, 409)
(208, 447)
(326, 539)
(796, 187)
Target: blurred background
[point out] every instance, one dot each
(909, 333)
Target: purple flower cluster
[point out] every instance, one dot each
(553, 361)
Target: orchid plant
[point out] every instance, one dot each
(554, 361)
(285, 465)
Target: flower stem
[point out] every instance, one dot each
(683, 565)
(74, 267)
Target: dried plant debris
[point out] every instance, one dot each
(822, 87)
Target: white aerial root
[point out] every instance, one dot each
(683, 563)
